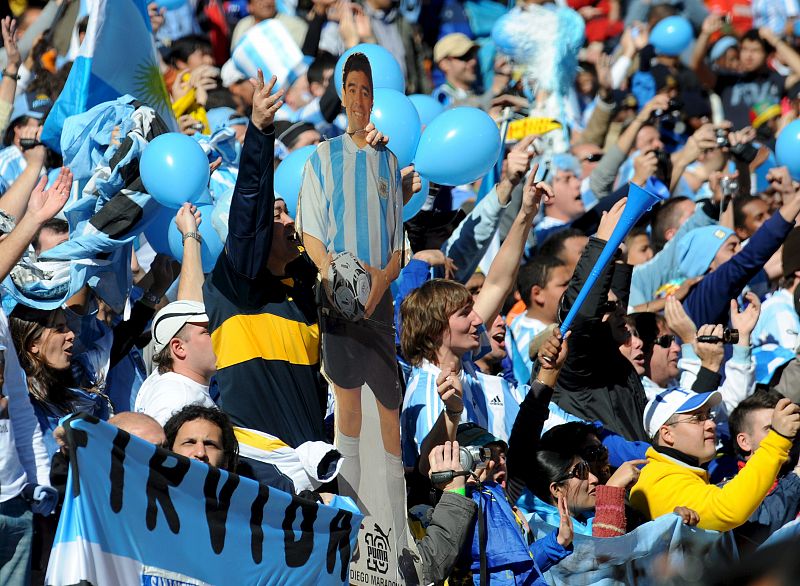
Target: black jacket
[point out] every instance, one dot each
(597, 382)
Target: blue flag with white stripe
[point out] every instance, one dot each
(137, 514)
(117, 57)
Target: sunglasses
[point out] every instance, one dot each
(664, 341)
(611, 306)
(580, 471)
(593, 158)
(594, 453)
(468, 56)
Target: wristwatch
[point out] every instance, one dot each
(194, 235)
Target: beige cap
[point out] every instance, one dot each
(452, 45)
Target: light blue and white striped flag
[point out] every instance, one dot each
(117, 57)
(269, 46)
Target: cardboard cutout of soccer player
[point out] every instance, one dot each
(351, 201)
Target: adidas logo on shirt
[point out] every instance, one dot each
(496, 401)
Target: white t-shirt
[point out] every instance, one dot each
(161, 395)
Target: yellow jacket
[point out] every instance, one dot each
(666, 483)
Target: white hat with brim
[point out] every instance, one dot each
(671, 401)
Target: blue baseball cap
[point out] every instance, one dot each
(31, 105)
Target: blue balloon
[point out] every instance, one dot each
(427, 107)
(787, 149)
(386, 71)
(157, 230)
(289, 177)
(170, 4)
(205, 198)
(459, 146)
(416, 202)
(212, 244)
(671, 36)
(174, 169)
(396, 117)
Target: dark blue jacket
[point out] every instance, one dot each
(709, 301)
(778, 508)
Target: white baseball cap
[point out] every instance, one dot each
(171, 318)
(675, 400)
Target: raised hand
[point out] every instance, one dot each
(518, 160)
(265, 103)
(448, 386)
(610, 219)
(745, 321)
(13, 56)
(711, 354)
(445, 457)
(679, 321)
(44, 204)
(565, 530)
(786, 418)
(188, 218)
(532, 194)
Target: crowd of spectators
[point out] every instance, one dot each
(674, 392)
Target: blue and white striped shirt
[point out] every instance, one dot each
(489, 401)
(778, 322)
(12, 164)
(774, 14)
(351, 200)
(518, 340)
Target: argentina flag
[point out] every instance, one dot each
(117, 57)
(138, 515)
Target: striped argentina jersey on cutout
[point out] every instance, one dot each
(351, 200)
(489, 401)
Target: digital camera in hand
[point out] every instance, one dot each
(350, 286)
(474, 457)
(729, 336)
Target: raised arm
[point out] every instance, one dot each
(42, 206)
(533, 412)
(711, 24)
(190, 286)
(785, 52)
(8, 86)
(468, 243)
(252, 205)
(503, 272)
(14, 201)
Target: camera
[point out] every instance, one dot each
(671, 115)
(729, 336)
(722, 138)
(474, 457)
(729, 186)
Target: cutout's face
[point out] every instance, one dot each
(357, 100)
